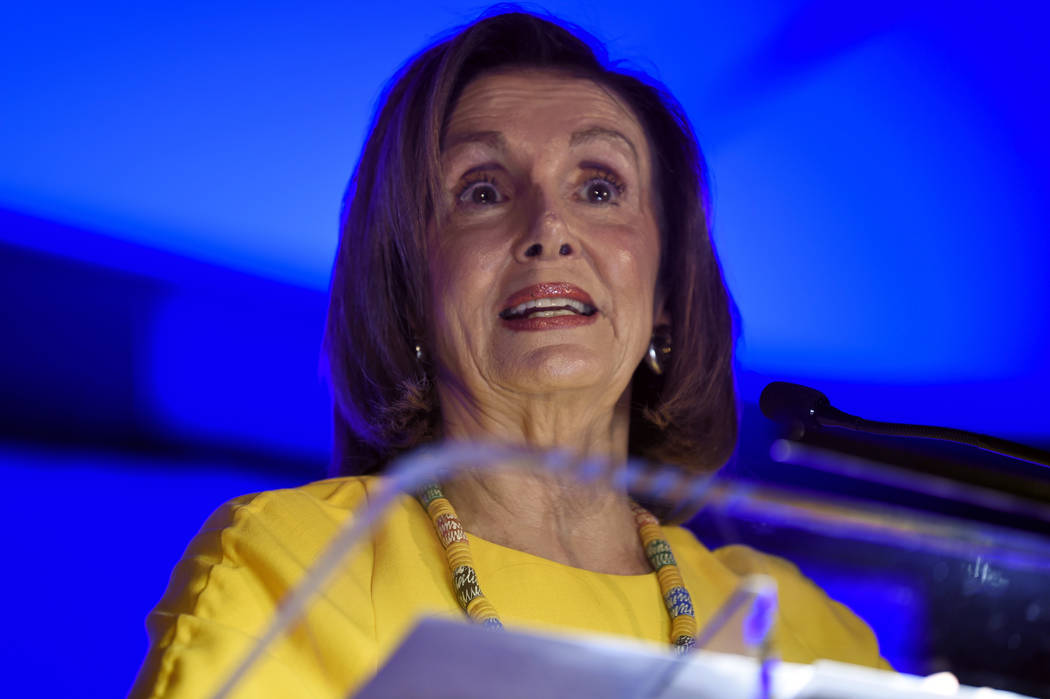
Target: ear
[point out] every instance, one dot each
(661, 316)
(662, 319)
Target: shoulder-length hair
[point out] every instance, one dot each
(384, 403)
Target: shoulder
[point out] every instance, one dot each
(744, 560)
(333, 497)
(308, 512)
(226, 588)
(809, 619)
(276, 535)
(810, 625)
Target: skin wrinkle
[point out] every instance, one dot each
(538, 135)
(598, 133)
(493, 139)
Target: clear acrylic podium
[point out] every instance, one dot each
(445, 659)
(963, 594)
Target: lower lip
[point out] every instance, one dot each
(550, 323)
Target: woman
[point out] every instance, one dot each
(524, 259)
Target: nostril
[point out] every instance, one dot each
(565, 249)
(534, 250)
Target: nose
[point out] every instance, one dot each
(547, 236)
(536, 250)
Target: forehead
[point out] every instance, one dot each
(541, 103)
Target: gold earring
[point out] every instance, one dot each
(659, 353)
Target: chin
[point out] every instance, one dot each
(559, 368)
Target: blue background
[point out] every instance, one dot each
(881, 211)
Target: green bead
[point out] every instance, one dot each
(659, 554)
(428, 494)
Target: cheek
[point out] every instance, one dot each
(463, 266)
(464, 270)
(633, 258)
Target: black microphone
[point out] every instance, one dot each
(789, 402)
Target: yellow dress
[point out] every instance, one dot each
(225, 590)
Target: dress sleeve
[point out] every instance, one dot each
(224, 592)
(809, 621)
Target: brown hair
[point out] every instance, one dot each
(384, 402)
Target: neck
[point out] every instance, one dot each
(587, 526)
(578, 422)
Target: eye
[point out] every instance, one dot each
(480, 191)
(601, 187)
(598, 192)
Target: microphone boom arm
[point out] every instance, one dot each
(782, 401)
(836, 418)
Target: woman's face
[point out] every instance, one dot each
(544, 262)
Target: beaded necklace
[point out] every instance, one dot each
(465, 578)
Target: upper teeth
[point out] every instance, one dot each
(550, 302)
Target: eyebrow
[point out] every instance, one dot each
(600, 133)
(497, 141)
(492, 139)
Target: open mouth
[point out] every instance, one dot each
(548, 307)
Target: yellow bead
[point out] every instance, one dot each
(650, 532)
(481, 609)
(438, 507)
(458, 553)
(683, 625)
(669, 577)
